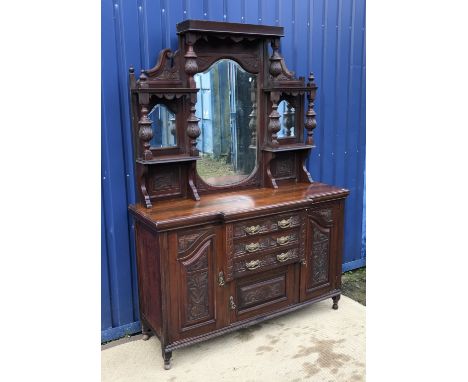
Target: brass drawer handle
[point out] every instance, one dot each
(285, 223)
(254, 264)
(282, 257)
(283, 240)
(232, 303)
(221, 281)
(252, 247)
(252, 229)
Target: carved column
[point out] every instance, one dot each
(253, 114)
(275, 59)
(145, 128)
(193, 131)
(274, 123)
(310, 122)
(191, 67)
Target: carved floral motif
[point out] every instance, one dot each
(197, 283)
(166, 180)
(262, 293)
(320, 257)
(325, 214)
(197, 293)
(284, 167)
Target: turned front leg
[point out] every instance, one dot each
(335, 301)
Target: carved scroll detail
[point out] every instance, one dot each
(249, 62)
(200, 264)
(186, 241)
(163, 70)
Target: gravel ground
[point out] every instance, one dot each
(209, 167)
(354, 285)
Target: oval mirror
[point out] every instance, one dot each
(287, 119)
(227, 110)
(164, 128)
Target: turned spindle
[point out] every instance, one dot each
(191, 67)
(310, 122)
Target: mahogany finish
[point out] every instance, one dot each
(213, 259)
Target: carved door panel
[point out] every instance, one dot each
(194, 285)
(318, 275)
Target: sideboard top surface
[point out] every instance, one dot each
(228, 206)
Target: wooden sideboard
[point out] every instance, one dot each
(230, 227)
(233, 259)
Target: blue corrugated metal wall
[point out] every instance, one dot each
(325, 36)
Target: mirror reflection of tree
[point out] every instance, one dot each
(224, 104)
(287, 119)
(163, 124)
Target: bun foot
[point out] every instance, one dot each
(167, 359)
(146, 331)
(335, 301)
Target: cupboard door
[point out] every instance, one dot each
(319, 273)
(193, 287)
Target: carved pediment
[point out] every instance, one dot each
(165, 70)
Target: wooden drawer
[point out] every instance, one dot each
(267, 224)
(251, 264)
(263, 293)
(264, 242)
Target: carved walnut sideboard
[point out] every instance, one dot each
(230, 227)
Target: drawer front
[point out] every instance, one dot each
(264, 242)
(267, 224)
(263, 239)
(248, 265)
(263, 293)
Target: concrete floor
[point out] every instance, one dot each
(312, 344)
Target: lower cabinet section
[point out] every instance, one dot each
(203, 281)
